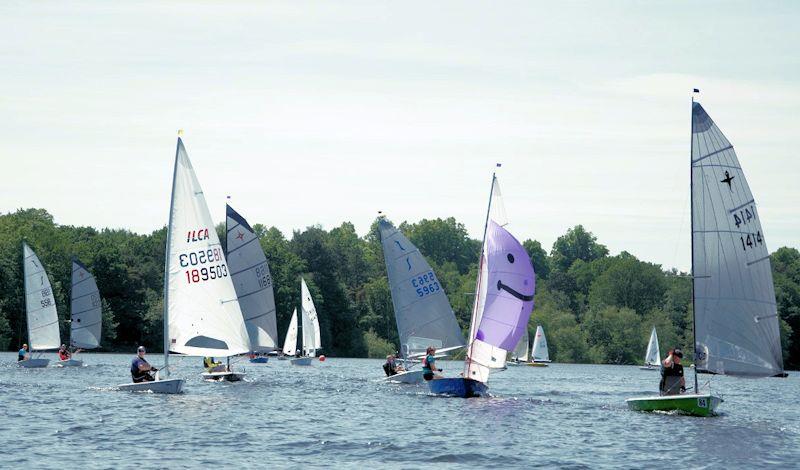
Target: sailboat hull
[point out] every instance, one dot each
(649, 368)
(167, 386)
(34, 363)
(695, 404)
(410, 377)
(458, 387)
(302, 361)
(69, 363)
(537, 364)
(259, 360)
(224, 376)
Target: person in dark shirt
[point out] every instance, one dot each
(23, 353)
(140, 368)
(672, 380)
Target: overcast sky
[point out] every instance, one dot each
(321, 112)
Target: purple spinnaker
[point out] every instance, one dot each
(511, 285)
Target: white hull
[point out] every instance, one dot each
(34, 363)
(649, 368)
(284, 358)
(69, 363)
(409, 377)
(302, 361)
(224, 376)
(169, 386)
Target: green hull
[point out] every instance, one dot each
(697, 405)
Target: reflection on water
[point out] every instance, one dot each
(337, 413)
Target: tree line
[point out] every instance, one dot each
(594, 307)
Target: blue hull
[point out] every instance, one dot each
(259, 360)
(458, 387)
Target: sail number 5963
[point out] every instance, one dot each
(425, 284)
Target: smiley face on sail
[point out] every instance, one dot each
(510, 288)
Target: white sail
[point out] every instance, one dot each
(423, 314)
(203, 314)
(520, 353)
(86, 311)
(40, 305)
(736, 317)
(290, 342)
(311, 339)
(539, 351)
(252, 280)
(653, 356)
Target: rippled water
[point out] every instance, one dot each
(335, 414)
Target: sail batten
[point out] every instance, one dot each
(736, 323)
(422, 311)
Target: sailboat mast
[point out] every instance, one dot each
(691, 218)
(167, 259)
(25, 291)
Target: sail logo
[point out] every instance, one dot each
(197, 235)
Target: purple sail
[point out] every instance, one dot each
(511, 284)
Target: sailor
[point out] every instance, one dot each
(391, 367)
(672, 380)
(63, 353)
(429, 365)
(23, 353)
(212, 366)
(140, 368)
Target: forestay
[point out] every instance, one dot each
(736, 320)
(311, 340)
(423, 314)
(251, 278)
(653, 356)
(521, 351)
(203, 311)
(290, 342)
(40, 305)
(506, 290)
(86, 312)
(540, 352)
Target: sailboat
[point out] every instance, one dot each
(202, 316)
(86, 313)
(652, 359)
(423, 314)
(539, 353)
(40, 308)
(736, 329)
(520, 354)
(310, 327)
(290, 342)
(502, 308)
(251, 278)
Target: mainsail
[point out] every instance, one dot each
(40, 305)
(504, 300)
(290, 342)
(203, 311)
(423, 313)
(653, 356)
(311, 340)
(251, 278)
(736, 318)
(539, 351)
(85, 308)
(520, 353)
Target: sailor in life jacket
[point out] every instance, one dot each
(672, 380)
(429, 365)
(63, 353)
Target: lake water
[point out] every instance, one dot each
(334, 414)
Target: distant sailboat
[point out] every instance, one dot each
(520, 354)
(502, 308)
(86, 313)
(290, 342)
(40, 308)
(652, 360)
(736, 330)
(423, 314)
(310, 324)
(253, 282)
(540, 353)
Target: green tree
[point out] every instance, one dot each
(541, 263)
(576, 244)
(629, 283)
